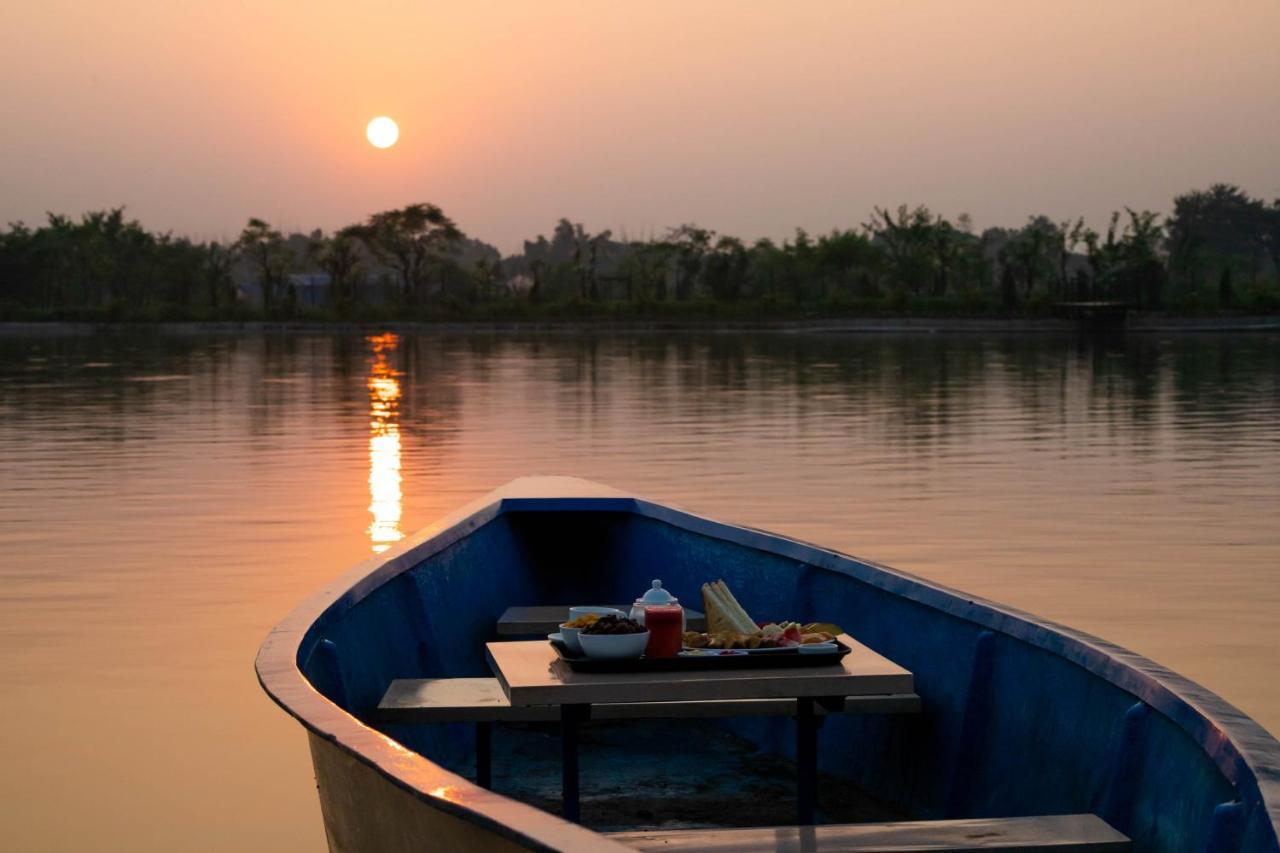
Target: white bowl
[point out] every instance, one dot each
(569, 636)
(613, 646)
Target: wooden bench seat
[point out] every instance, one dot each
(481, 700)
(1077, 833)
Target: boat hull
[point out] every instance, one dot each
(1019, 716)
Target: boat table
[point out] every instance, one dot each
(531, 673)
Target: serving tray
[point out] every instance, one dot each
(753, 659)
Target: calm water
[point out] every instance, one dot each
(165, 501)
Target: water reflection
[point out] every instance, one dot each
(385, 498)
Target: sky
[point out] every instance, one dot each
(747, 118)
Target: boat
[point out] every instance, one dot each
(1019, 716)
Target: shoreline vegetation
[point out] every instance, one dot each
(1215, 260)
(1142, 324)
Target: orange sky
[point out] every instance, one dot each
(748, 118)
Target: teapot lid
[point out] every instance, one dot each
(657, 595)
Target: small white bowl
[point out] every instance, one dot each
(613, 646)
(569, 636)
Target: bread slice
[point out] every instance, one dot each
(724, 613)
(717, 613)
(744, 622)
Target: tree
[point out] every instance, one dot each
(1271, 236)
(1217, 228)
(725, 268)
(1140, 251)
(596, 247)
(1067, 236)
(689, 244)
(907, 238)
(413, 240)
(767, 261)
(644, 269)
(339, 256)
(1102, 255)
(1129, 266)
(218, 261)
(265, 248)
(848, 262)
(1030, 253)
(945, 241)
(536, 267)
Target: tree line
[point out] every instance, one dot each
(1217, 251)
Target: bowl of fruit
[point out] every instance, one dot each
(613, 638)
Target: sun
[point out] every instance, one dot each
(382, 132)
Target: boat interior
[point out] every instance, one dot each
(1017, 717)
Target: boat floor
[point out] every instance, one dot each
(659, 774)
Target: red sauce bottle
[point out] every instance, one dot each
(661, 613)
(666, 630)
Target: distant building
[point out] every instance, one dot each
(312, 289)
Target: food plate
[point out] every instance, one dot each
(828, 648)
(693, 660)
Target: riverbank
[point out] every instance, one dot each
(868, 325)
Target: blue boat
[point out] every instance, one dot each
(1018, 716)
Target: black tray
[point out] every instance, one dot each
(773, 659)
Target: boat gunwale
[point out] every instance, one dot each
(1242, 750)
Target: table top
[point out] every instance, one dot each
(546, 618)
(531, 673)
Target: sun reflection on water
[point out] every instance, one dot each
(385, 497)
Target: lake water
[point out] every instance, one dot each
(166, 500)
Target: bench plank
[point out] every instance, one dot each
(1078, 833)
(455, 700)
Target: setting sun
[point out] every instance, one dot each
(382, 132)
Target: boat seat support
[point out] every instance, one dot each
(472, 700)
(482, 701)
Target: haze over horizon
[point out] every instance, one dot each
(748, 119)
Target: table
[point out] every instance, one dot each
(547, 618)
(531, 673)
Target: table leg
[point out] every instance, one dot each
(807, 723)
(571, 718)
(484, 754)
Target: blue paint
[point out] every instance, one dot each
(1117, 808)
(1225, 831)
(977, 710)
(1020, 716)
(324, 670)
